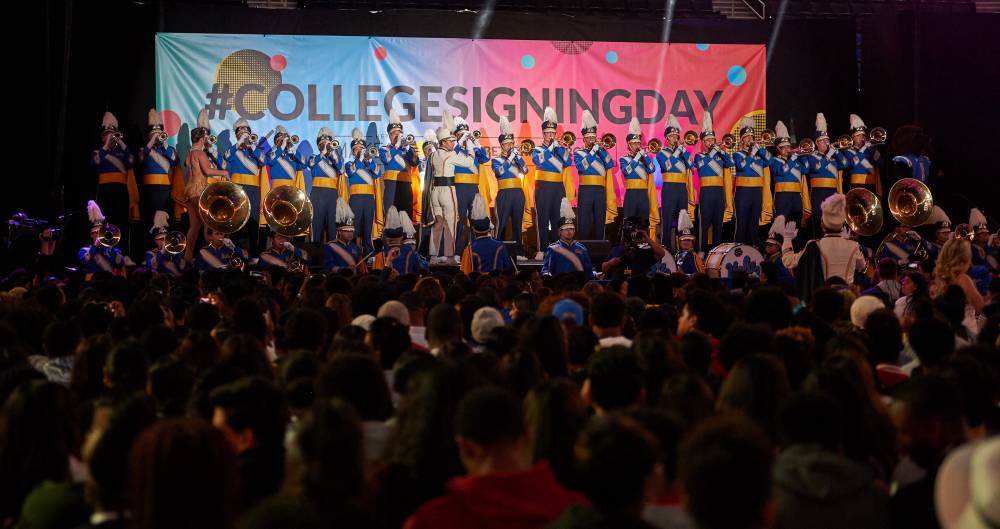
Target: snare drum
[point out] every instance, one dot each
(667, 265)
(726, 259)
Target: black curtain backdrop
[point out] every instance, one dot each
(102, 58)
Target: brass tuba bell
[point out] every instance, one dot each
(224, 207)
(175, 243)
(288, 211)
(110, 235)
(864, 212)
(910, 202)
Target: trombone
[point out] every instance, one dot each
(371, 153)
(806, 146)
(728, 141)
(843, 142)
(608, 141)
(690, 138)
(293, 140)
(877, 136)
(175, 243)
(568, 139)
(527, 146)
(767, 137)
(110, 235)
(654, 146)
(160, 137)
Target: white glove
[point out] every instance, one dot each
(595, 148)
(228, 243)
(790, 231)
(288, 246)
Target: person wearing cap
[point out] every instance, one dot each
(219, 252)
(98, 257)
(688, 260)
(715, 178)
(637, 172)
(636, 254)
(409, 231)
(791, 194)
(860, 159)
(902, 245)
(980, 238)
(158, 259)
(421, 188)
(283, 164)
(400, 257)
(912, 162)
(343, 253)
(282, 253)
(244, 161)
(469, 154)
(821, 259)
(116, 187)
(364, 191)
(941, 224)
(824, 170)
(772, 253)
(159, 171)
(752, 185)
(677, 192)
(596, 201)
(400, 162)
(441, 213)
(327, 168)
(553, 180)
(510, 169)
(199, 166)
(567, 255)
(485, 254)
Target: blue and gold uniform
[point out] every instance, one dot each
(282, 257)
(567, 257)
(160, 174)
(752, 186)
(791, 193)
(553, 181)
(364, 192)
(510, 172)
(824, 172)
(467, 176)
(860, 168)
(116, 187)
(245, 161)
(485, 254)
(158, 259)
(677, 192)
(401, 164)
(715, 180)
(219, 256)
(327, 169)
(640, 188)
(596, 201)
(406, 259)
(344, 252)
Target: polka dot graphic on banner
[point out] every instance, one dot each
(702, 47)
(381, 53)
(171, 122)
(737, 75)
(278, 63)
(527, 61)
(611, 57)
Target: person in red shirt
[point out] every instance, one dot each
(501, 488)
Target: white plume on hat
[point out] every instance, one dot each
(706, 122)
(443, 133)
(633, 127)
(565, 210)
(449, 121)
(203, 119)
(459, 122)
(94, 212)
(325, 131)
(780, 130)
(154, 118)
(856, 121)
(672, 122)
(747, 122)
(408, 229)
(938, 215)
(345, 214)
(834, 211)
(777, 226)
(478, 208)
(160, 220)
(109, 120)
(242, 122)
(588, 120)
(505, 127)
(280, 130)
(976, 218)
(394, 117)
(356, 134)
(430, 136)
(684, 221)
(392, 219)
(821, 122)
(549, 115)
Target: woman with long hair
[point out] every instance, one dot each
(913, 287)
(954, 261)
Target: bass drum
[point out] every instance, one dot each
(667, 265)
(726, 259)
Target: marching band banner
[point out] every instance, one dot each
(306, 82)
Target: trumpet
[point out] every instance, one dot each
(410, 139)
(608, 141)
(877, 136)
(767, 137)
(843, 141)
(568, 139)
(690, 138)
(110, 235)
(654, 146)
(728, 141)
(372, 152)
(175, 243)
(212, 139)
(527, 146)
(475, 135)
(160, 137)
(249, 139)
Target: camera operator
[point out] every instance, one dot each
(637, 252)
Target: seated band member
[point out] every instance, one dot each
(402, 258)
(343, 253)
(99, 257)
(901, 246)
(981, 251)
(485, 254)
(159, 259)
(567, 255)
(510, 170)
(637, 171)
(821, 259)
(688, 260)
(941, 225)
(219, 252)
(637, 253)
(772, 253)
(281, 253)
(596, 199)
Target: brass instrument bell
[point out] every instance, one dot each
(910, 202)
(608, 141)
(224, 207)
(110, 235)
(175, 242)
(864, 212)
(288, 211)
